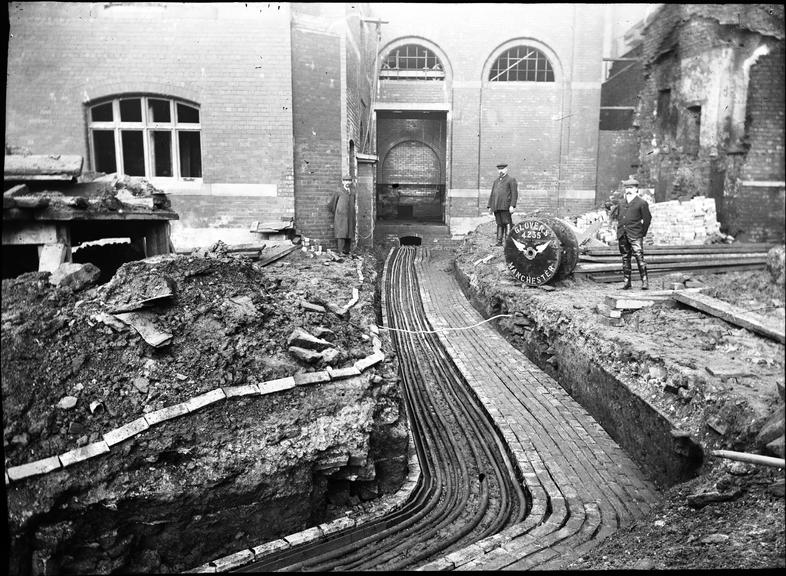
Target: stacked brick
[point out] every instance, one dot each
(674, 222)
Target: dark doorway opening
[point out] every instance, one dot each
(411, 176)
(410, 240)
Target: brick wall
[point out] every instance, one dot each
(547, 132)
(316, 100)
(231, 59)
(698, 53)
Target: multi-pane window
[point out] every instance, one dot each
(146, 136)
(522, 64)
(412, 62)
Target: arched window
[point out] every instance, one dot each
(412, 62)
(522, 64)
(146, 136)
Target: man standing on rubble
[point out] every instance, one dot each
(633, 221)
(502, 201)
(342, 206)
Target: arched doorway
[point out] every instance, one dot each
(411, 184)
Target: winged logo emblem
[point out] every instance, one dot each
(529, 251)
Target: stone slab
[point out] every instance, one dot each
(276, 385)
(270, 547)
(33, 468)
(337, 525)
(308, 535)
(167, 413)
(233, 560)
(311, 378)
(340, 373)
(205, 399)
(369, 361)
(244, 390)
(125, 432)
(83, 453)
(203, 569)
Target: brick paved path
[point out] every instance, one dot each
(583, 486)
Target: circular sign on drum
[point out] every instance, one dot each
(533, 252)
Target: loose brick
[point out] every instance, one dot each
(127, 431)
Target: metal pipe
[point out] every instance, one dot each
(751, 458)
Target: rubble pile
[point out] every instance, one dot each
(229, 320)
(82, 360)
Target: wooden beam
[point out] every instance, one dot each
(730, 313)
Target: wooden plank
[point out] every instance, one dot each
(55, 165)
(20, 189)
(62, 212)
(658, 258)
(611, 267)
(730, 313)
(690, 249)
(270, 259)
(605, 277)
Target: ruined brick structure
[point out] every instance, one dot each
(290, 98)
(710, 112)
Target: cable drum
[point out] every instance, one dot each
(541, 249)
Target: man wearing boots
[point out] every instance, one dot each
(633, 221)
(502, 201)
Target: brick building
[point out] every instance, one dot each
(249, 112)
(707, 88)
(230, 108)
(462, 90)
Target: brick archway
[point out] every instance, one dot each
(410, 185)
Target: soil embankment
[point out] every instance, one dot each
(221, 478)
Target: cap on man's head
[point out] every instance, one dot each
(500, 166)
(631, 181)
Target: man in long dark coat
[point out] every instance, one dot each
(502, 201)
(342, 206)
(633, 221)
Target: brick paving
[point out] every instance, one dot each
(583, 485)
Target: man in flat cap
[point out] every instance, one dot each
(502, 201)
(633, 221)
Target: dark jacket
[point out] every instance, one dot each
(634, 218)
(504, 193)
(342, 206)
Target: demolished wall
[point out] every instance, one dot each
(711, 112)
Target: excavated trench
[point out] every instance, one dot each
(468, 488)
(666, 454)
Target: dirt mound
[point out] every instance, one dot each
(229, 320)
